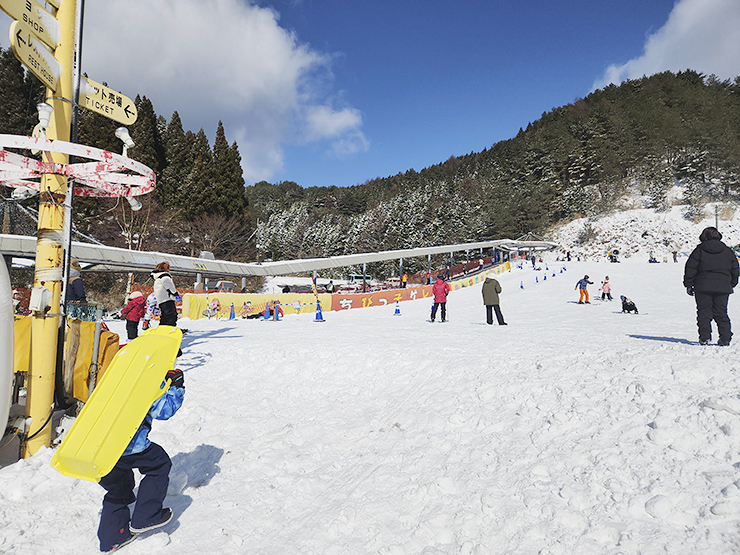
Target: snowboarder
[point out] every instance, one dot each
(440, 289)
(582, 286)
(134, 311)
(628, 305)
(118, 526)
(490, 291)
(710, 275)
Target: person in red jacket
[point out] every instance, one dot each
(134, 311)
(440, 289)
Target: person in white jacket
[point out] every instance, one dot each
(165, 293)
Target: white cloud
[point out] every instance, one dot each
(341, 127)
(703, 35)
(219, 59)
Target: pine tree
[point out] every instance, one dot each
(14, 118)
(197, 195)
(228, 183)
(178, 163)
(145, 134)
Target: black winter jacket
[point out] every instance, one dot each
(711, 268)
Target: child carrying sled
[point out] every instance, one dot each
(117, 526)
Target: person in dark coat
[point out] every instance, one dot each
(710, 275)
(75, 288)
(490, 291)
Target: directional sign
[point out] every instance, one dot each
(34, 55)
(107, 102)
(42, 23)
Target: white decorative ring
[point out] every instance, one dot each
(100, 178)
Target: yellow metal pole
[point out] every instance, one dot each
(49, 249)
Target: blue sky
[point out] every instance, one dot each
(337, 92)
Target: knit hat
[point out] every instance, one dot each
(75, 265)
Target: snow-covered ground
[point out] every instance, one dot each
(573, 430)
(638, 233)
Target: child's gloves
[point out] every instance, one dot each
(176, 377)
(145, 325)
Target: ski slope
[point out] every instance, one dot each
(573, 430)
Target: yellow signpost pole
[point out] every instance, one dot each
(49, 248)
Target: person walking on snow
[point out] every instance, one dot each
(582, 285)
(118, 526)
(490, 291)
(606, 289)
(440, 289)
(134, 311)
(165, 293)
(710, 275)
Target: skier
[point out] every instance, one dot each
(440, 289)
(710, 275)
(606, 289)
(582, 285)
(118, 526)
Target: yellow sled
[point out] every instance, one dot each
(118, 405)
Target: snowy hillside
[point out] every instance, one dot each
(573, 430)
(637, 233)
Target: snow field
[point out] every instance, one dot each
(573, 430)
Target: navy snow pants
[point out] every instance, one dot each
(712, 306)
(154, 464)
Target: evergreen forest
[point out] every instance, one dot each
(643, 137)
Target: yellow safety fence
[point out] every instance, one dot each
(80, 337)
(196, 306)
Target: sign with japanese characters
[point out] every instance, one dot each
(107, 102)
(35, 56)
(41, 23)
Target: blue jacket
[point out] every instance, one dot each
(162, 409)
(584, 283)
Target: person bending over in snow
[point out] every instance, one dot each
(117, 526)
(628, 305)
(582, 285)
